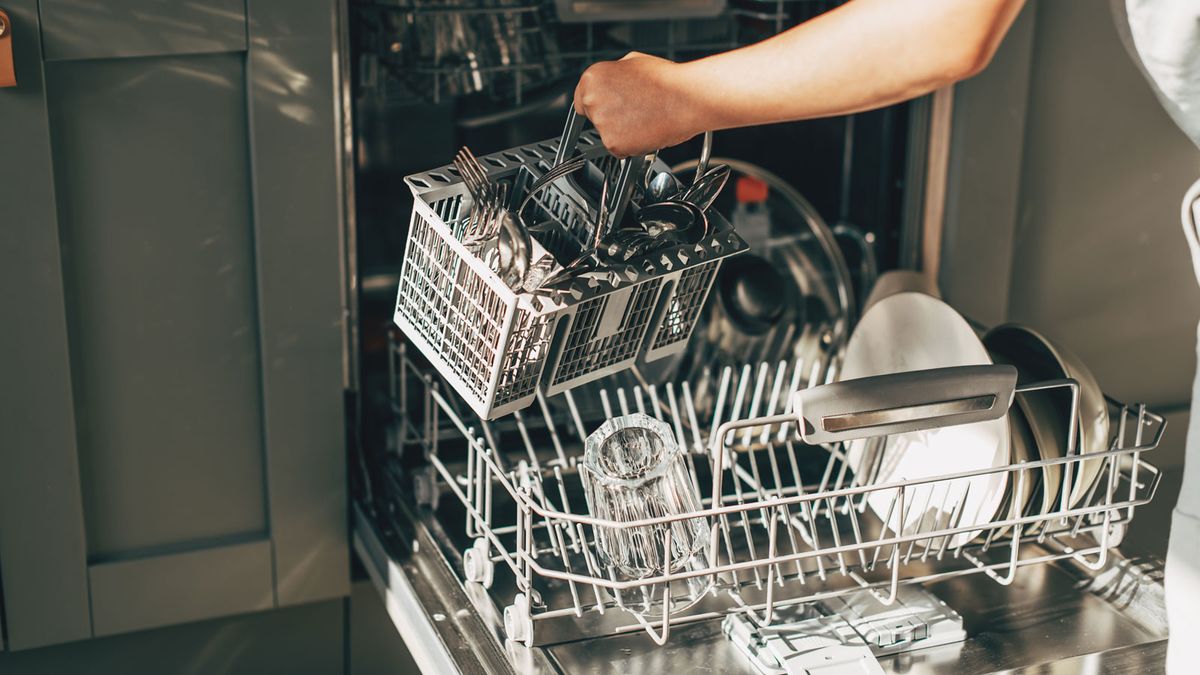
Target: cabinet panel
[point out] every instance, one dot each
(148, 592)
(294, 123)
(41, 522)
(124, 28)
(159, 258)
(172, 439)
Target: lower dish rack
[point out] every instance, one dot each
(790, 521)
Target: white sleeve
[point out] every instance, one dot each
(1166, 37)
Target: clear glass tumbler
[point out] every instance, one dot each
(633, 469)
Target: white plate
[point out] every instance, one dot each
(913, 331)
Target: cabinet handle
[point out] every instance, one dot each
(8, 73)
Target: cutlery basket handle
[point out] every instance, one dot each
(570, 135)
(900, 402)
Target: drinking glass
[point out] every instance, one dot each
(633, 469)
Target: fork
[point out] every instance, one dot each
(487, 195)
(487, 218)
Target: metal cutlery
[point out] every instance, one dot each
(489, 198)
(663, 185)
(707, 187)
(567, 167)
(492, 231)
(501, 238)
(588, 259)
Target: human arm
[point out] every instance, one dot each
(865, 54)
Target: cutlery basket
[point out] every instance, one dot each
(791, 524)
(496, 347)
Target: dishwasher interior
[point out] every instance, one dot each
(811, 563)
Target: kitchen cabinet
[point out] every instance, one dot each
(173, 290)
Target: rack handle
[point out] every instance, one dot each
(629, 172)
(901, 402)
(570, 135)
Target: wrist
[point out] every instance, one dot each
(693, 106)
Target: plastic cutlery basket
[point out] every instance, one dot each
(498, 347)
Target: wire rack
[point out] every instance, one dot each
(790, 522)
(509, 51)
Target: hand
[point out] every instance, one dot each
(638, 104)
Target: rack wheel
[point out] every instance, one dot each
(518, 624)
(477, 563)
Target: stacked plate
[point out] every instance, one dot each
(1040, 418)
(906, 328)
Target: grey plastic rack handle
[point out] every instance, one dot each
(629, 172)
(902, 402)
(570, 135)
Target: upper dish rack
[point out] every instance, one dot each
(790, 523)
(514, 51)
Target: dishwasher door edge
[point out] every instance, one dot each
(436, 619)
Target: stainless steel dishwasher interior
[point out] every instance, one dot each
(1054, 608)
(413, 535)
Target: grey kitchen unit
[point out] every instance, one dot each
(173, 399)
(204, 447)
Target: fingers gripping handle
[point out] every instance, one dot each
(901, 402)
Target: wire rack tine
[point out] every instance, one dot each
(593, 568)
(773, 402)
(690, 406)
(552, 428)
(954, 520)
(639, 400)
(837, 536)
(733, 466)
(858, 539)
(739, 399)
(883, 529)
(937, 520)
(774, 464)
(793, 385)
(652, 392)
(919, 527)
(525, 440)
(760, 381)
(680, 437)
(719, 406)
(808, 533)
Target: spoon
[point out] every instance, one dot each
(673, 219)
(705, 155)
(510, 256)
(707, 187)
(662, 186)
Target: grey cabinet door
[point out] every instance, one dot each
(172, 438)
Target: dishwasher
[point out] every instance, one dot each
(479, 393)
